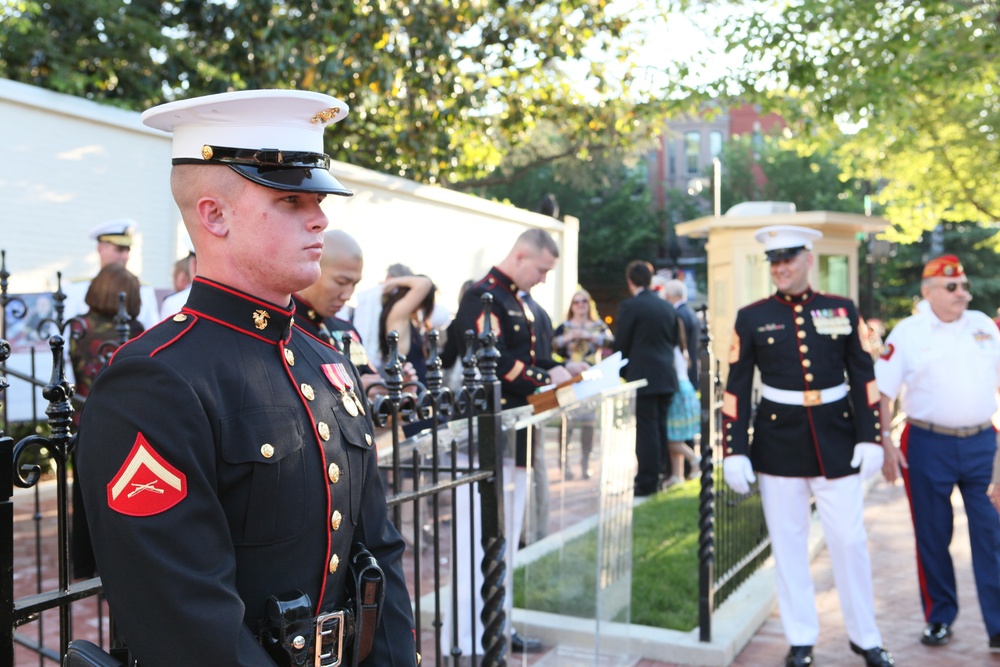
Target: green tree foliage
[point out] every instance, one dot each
(438, 90)
(617, 221)
(896, 279)
(918, 79)
(777, 168)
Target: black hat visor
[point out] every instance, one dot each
(779, 254)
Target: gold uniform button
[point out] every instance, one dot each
(806, 363)
(847, 415)
(368, 438)
(333, 472)
(334, 563)
(729, 437)
(798, 309)
(335, 520)
(324, 430)
(801, 334)
(289, 357)
(799, 320)
(729, 450)
(180, 317)
(875, 412)
(809, 377)
(773, 416)
(878, 425)
(517, 327)
(266, 450)
(803, 348)
(878, 438)
(770, 341)
(308, 392)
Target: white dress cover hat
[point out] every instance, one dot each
(786, 241)
(272, 137)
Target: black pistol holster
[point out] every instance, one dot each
(81, 653)
(338, 638)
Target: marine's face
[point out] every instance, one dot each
(948, 297)
(791, 276)
(276, 240)
(532, 268)
(335, 286)
(110, 253)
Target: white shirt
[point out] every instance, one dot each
(173, 303)
(950, 370)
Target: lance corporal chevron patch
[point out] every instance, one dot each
(146, 484)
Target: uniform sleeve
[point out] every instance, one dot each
(175, 562)
(394, 644)
(736, 406)
(517, 373)
(861, 379)
(890, 369)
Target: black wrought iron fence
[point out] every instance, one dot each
(462, 445)
(733, 539)
(423, 474)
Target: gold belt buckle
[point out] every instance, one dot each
(329, 639)
(812, 397)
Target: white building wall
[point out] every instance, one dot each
(71, 164)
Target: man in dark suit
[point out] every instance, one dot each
(676, 293)
(646, 334)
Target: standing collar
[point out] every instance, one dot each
(238, 310)
(498, 277)
(304, 310)
(794, 299)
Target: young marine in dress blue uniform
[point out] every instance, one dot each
(225, 456)
(817, 423)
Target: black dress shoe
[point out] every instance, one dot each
(936, 634)
(520, 644)
(995, 643)
(799, 656)
(874, 657)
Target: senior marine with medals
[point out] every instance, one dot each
(817, 423)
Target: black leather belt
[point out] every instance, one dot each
(294, 637)
(962, 432)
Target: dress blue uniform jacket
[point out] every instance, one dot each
(256, 481)
(522, 366)
(800, 342)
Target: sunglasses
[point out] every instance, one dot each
(952, 287)
(580, 301)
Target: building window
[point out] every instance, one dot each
(672, 158)
(692, 152)
(715, 143)
(835, 274)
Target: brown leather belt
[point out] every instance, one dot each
(963, 432)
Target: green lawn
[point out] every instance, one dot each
(664, 561)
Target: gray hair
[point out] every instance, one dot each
(676, 288)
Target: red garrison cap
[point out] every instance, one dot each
(945, 266)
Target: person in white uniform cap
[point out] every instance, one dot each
(812, 435)
(227, 463)
(115, 239)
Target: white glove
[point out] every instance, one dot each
(738, 473)
(868, 457)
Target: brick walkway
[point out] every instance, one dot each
(890, 543)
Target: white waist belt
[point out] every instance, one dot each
(806, 398)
